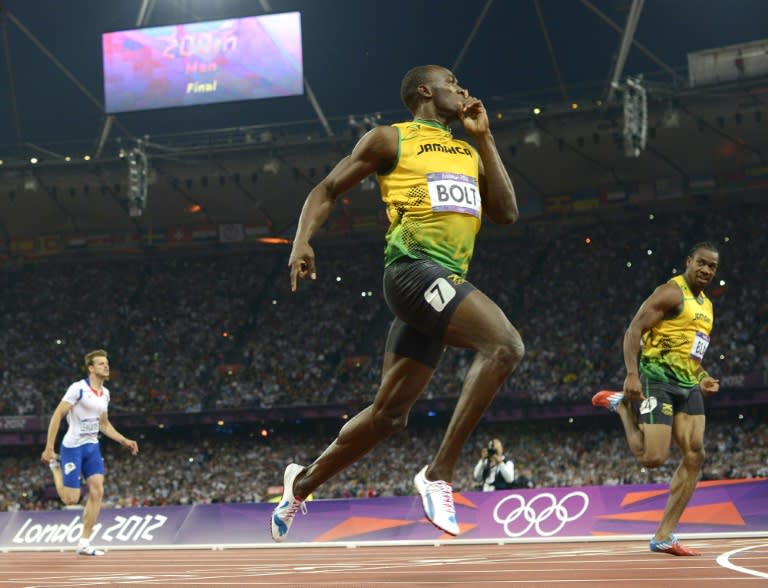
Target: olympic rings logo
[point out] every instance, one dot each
(544, 513)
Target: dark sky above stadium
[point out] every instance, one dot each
(355, 52)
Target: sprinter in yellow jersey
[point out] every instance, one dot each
(435, 189)
(662, 396)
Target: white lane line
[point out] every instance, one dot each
(725, 561)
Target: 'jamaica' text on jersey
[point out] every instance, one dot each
(452, 149)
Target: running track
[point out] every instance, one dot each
(725, 563)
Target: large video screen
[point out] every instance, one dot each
(203, 63)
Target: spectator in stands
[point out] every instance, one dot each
(494, 471)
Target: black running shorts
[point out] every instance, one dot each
(423, 296)
(661, 402)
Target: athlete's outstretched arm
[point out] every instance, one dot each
(375, 151)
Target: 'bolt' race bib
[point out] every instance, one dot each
(450, 192)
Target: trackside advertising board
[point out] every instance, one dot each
(538, 514)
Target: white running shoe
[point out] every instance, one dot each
(285, 511)
(89, 550)
(437, 500)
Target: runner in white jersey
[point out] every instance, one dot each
(85, 407)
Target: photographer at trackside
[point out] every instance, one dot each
(494, 471)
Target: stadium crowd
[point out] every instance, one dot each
(225, 468)
(223, 331)
(189, 333)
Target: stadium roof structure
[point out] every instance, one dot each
(569, 59)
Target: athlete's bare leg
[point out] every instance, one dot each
(635, 437)
(479, 324)
(648, 443)
(689, 435)
(92, 504)
(68, 496)
(402, 382)
(58, 481)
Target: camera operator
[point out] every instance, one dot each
(494, 471)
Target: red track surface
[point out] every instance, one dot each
(724, 563)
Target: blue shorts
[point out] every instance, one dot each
(84, 460)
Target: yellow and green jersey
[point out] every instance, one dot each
(673, 349)
(432, 197)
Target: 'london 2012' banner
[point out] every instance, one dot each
(537, 514)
